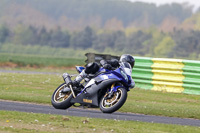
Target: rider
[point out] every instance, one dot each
(93, 68)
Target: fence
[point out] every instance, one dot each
(161, 74)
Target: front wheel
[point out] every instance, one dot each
(61, 100)
(109, 105)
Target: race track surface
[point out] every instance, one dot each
(46, 109)
(36, 108)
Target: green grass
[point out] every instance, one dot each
(51, 51)
(38, 88)
(40, 61)
(47, 69)
(20, 122)
(28, 87)
(162, 103)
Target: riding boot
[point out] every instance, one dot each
(76, 83)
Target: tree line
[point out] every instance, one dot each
(148, 42)
(120, 26)
(77, 14)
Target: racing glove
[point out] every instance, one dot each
(107, 66)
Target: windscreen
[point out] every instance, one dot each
(127, 68)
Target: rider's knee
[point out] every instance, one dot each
(92, 68)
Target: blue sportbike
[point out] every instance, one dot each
(107, 89)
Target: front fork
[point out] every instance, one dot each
(112, 90)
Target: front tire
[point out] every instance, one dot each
(61, 100)
(113, 104)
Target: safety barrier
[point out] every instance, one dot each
(161, 74)
(168, 75)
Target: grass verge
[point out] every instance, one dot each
(38, 88)
(21, 122)
(15, 60)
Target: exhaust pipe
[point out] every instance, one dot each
(68, 81)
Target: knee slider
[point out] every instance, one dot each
(92, 68)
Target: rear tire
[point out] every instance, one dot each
(61, 100)
(113, 104)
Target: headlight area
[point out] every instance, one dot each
(124, 75)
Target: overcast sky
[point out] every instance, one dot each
(195, 3)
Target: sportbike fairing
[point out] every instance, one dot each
(106, 89)
(90, 92)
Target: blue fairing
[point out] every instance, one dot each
(80, 68)
(116, 74)
(110, 74)
(105, 77)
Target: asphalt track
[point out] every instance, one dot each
(46, 109)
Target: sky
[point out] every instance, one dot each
(195, 3)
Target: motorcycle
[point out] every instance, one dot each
(107, 90)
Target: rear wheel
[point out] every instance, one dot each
(61, 100)
(109, 105)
